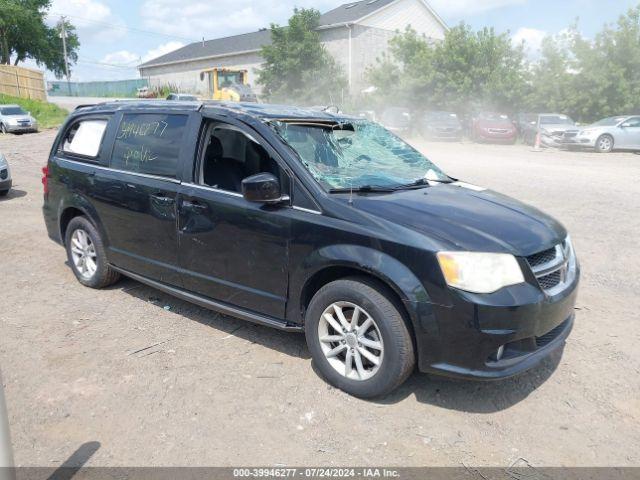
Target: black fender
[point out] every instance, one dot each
(79, 202)
(374, 263)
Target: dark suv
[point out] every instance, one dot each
(309, 221)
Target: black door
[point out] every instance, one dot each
(232, 250)
(136, 196)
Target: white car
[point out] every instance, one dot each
(613, 133)
(5, 176)
(13, 119)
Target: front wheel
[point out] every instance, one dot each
(87, 256)
(358, 338)
(604, 144)
(3, 129)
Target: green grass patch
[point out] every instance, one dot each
(47, 114)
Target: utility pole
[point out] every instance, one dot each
(63, 35)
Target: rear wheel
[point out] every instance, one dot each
(604, 144)
(86, 254)
(358, 338)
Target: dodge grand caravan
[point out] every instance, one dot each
(314, 222)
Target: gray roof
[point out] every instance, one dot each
(219, 46)
(346, 13)
(352, 11)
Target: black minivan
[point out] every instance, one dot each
(314, 222)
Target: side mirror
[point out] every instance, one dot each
(262, 188)
(625, 125)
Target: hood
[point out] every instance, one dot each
(19, 118)
(482, 123)
(467, 218)
(561, 127)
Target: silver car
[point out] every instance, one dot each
(5, 176)
(613, 133)
(554, 129)
(13, 119)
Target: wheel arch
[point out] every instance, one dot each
(78, 207)
(343, 261)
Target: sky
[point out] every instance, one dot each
(117, 35)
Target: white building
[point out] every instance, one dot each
(355, 34)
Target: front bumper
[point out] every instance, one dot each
(5, 184)
(581, 141)
(21, 128)
(497, 137)
(527, 323)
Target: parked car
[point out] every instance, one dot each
(555, 130)
(613, 133)
(5, 176)
(396, 119)
(312, 222)
(146, 92)
(14, 119)
(494, 128)
(524, 121)
(439, 125)
(182, 97)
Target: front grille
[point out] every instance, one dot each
(541, 258)
(554, 268)
(4, 173)
(550, 281)
(550, 335)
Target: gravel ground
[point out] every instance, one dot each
(157, 381)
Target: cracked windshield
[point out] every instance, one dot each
(358, 155)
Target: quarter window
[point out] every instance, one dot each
(149, 143)
(84, 138)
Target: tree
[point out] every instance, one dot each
(25, 35)
(296, 65)
(466, 71)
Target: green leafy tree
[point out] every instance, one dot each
(296, 65)
(25, 35)
(467, 70)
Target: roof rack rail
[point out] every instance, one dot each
(86, 105)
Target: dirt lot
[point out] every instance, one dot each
(157, 381)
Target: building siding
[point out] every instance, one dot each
(185, 76)
(398, 15)
(369, 41)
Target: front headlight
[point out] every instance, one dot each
(478, 272)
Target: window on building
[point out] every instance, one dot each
(149, 143)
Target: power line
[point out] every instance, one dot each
(124, 27)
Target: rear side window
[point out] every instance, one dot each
(149, 143)
(84, 138)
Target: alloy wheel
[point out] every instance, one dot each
(351, 341)
(83, 254)
(605, 144)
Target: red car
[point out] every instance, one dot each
(493, 127)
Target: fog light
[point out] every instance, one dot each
(500, 352)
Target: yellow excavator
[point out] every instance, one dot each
(229, 85)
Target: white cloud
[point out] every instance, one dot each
(470, 7)
(193, 19)
(92, 18)
(121, 57)
(161, 50)
(532, 38)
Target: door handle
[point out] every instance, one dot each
(193, 206)
(162, 199)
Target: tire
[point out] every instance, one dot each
(3, 193)
(103, 275)
(604, 144)
(388, 332)
(3, 129)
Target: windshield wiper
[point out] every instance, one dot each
(363, 189)
(419, 183)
